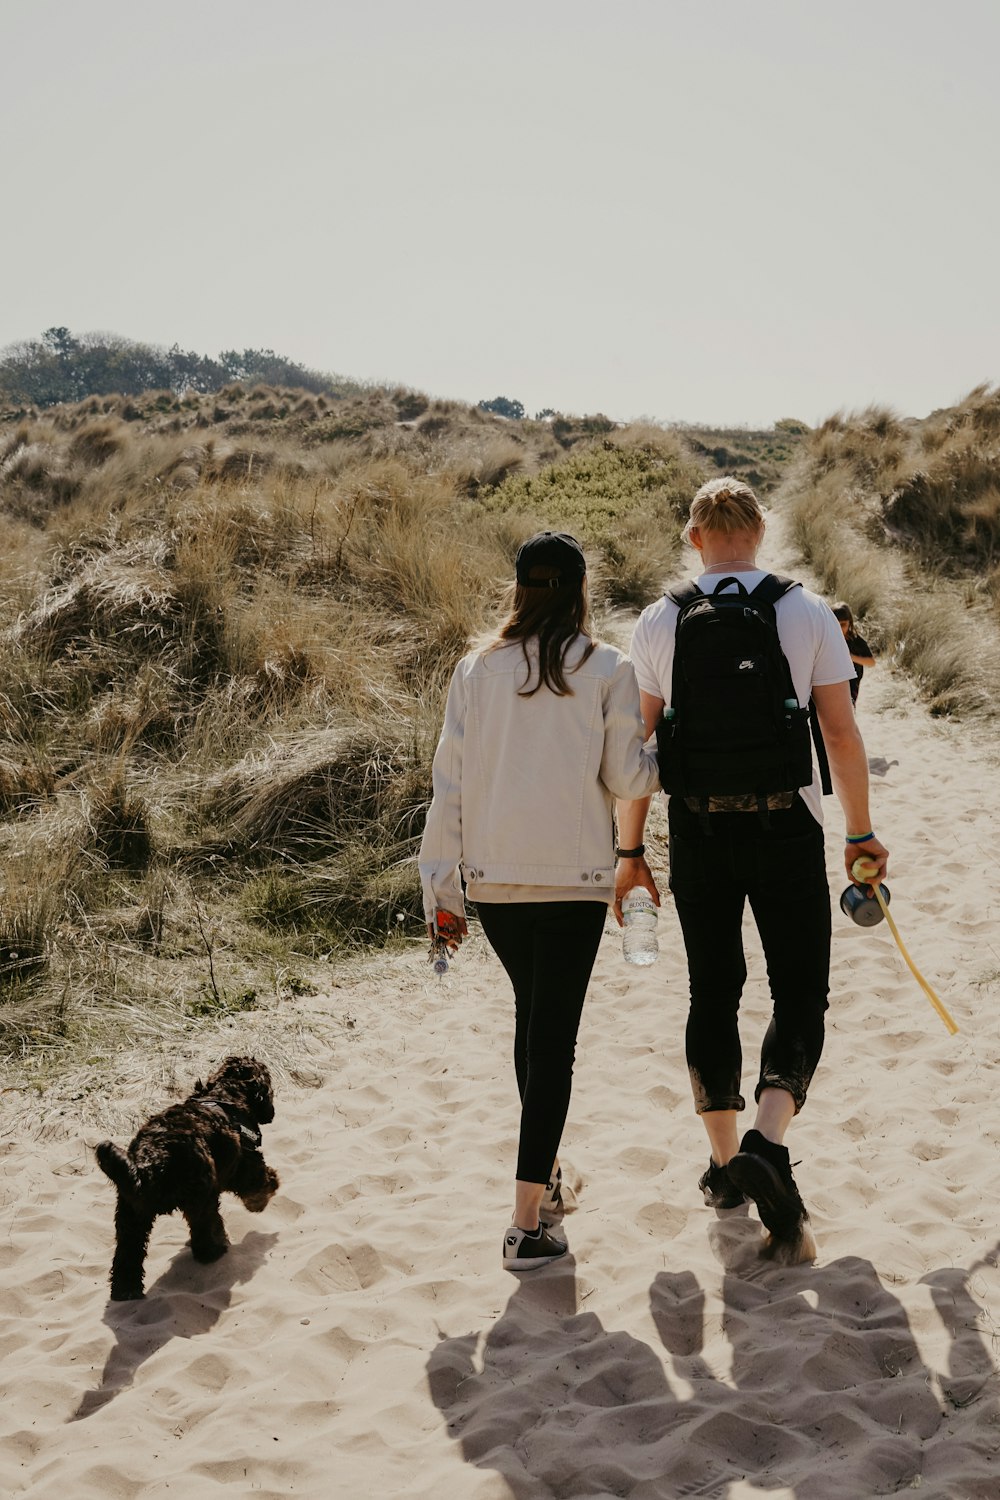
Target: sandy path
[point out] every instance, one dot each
(361, 1339)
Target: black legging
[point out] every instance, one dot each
(548, 949)
(781, 870)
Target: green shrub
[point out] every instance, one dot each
(626, 499)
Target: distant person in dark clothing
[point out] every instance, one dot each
(861, 652)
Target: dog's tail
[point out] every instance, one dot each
(113, 1161)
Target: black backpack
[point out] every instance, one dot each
(734, 738)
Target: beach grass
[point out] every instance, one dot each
(227, 629)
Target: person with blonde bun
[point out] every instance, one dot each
(542, 732)
(721, 859)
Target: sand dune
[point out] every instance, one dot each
(360, 1337)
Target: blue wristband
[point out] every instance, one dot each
(858, 838)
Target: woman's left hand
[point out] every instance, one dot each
(449, 929)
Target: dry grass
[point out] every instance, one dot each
(828, 527)
(226, 628)
(118, 821)
(760, 457)
(902, 519)
(30, 906)
(224, 648)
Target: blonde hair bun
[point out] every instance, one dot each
(727, 505)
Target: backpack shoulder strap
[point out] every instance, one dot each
(684, 593)
(774, 587)
(822, 759)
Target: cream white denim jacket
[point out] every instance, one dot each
(524, 788)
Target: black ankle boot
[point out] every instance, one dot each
(762, 1170)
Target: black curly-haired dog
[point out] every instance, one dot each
(183, 1159)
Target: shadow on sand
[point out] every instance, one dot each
(187, 1300)
(818, 1391)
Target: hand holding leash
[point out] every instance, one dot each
(872, 851)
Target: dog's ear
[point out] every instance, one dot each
(230, 1072)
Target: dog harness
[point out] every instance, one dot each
(251, 1133)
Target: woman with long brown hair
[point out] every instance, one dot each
(542, 731)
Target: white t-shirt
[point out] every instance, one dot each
(808, 630)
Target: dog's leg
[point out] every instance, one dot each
(255, 1182)
(131, 1239)
(208, 1234)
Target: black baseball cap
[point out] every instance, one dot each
(553, 553)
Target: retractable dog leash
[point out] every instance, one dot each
(859, 908)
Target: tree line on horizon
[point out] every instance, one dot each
(62, 367)
(513, 410)
(65, 367)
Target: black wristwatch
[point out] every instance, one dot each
(635, 853)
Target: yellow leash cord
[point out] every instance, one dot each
(861, 874)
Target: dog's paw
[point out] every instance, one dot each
(256, 1202)
(127, 1293)
(207, 1251)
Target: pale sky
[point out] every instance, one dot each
(731, 211)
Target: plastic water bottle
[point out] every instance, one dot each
(639, 941)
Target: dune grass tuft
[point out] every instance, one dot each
(902, 519)
(224, 649)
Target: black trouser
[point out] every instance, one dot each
(781, 870)
(548, 949)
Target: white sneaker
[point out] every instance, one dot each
(525, 1252)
